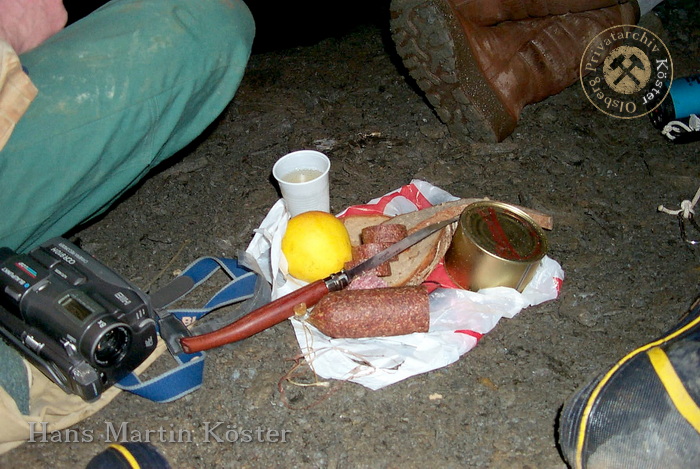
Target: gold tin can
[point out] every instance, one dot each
(495, 244)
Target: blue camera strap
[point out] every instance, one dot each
(245, 287)
(186, 377)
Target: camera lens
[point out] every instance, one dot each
(112, 346)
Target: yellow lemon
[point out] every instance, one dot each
(316, 244)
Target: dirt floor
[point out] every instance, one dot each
(628, 274)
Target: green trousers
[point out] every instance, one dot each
(119, 91)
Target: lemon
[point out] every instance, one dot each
(316, 244)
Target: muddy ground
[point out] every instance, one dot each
(342, 91)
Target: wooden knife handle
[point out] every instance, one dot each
(257, 320)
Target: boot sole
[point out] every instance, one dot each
(431, 42)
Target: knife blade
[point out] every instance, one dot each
(283, 308)
(396, 248)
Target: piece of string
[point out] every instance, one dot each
(300, 313)
(306, 359)
(685, 213)
(674, 128)
(687, 209)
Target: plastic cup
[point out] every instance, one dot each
(303, 179)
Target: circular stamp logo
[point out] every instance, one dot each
(625, 71)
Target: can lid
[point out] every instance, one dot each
(504, 231)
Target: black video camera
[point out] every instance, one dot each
(80, 323)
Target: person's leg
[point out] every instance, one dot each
(119, 91)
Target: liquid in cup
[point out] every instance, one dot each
(302, 175)
(303, 180)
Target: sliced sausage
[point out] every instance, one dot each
(366, 281)
(365, 251)
(382, 270)
(386, 233)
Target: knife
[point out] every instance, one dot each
(283, 308)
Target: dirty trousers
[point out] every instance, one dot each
(119, 92)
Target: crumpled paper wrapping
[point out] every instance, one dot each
(458, 318)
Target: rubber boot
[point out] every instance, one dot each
(478, 78)
(492, 12)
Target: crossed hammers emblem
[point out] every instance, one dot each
(628, 64)
(619, 63)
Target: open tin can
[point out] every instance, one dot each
(495, 244)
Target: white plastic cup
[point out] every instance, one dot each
(303, 179)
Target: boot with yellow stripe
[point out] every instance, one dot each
(644, 411)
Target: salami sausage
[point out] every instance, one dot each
(382, 270)
(385, 233)
(378, 312)
(365, 251)
(367, 281)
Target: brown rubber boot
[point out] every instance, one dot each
(492, 12)
(478, 78)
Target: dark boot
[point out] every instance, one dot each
(643, 412)
(479, 77)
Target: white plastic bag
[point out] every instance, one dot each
(458, 318)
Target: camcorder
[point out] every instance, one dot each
(83, 325)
